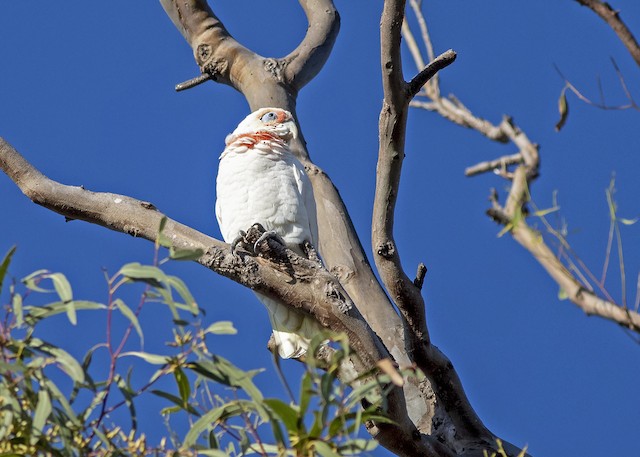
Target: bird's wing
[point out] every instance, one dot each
(218, 214)
(309, 202)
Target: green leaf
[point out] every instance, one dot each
(4, 266)
(182, 289)
(43, 409)
(563, 108)
(185, 254)
(61, 285)
(67, 362)
(324, 449)
(213, 440)
(16, 306)
(306, 392)
(62, 399)
(221, 370)
(183, 384)
(129, 314)
(628, 221)
(36, 313)
(143, 273)
(289, 416)
(128, 394)
(177, 401)
(30, 281)
(170, 410)
(212, 453)
(208, 420)
(357, 446)
(562, 294)
(506, 229)
(544, 212)
(153, 359)
(221, 328)
(162, 239)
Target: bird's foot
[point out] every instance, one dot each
(311, 252)
(240, 239)
(265, 236)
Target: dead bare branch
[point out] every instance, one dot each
(613, 19)
(512, 216)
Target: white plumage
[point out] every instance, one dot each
(260, 180)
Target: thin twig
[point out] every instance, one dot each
(193, 82)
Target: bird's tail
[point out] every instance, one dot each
(292, 330)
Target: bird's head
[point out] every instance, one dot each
(272, 121)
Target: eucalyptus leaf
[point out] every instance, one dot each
(4, 266)
(129, 314)
(221, 328)
(43, 409)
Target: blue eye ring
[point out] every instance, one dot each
(269, 117)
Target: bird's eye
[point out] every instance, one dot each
(271, 116)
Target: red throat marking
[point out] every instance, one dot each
(256, 137)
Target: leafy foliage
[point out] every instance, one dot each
(54, 404)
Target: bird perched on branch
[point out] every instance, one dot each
(260, 181)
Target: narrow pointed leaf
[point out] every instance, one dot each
(144, 273)
(324, 449)
(563, 108)
(43, 409)
(221, 328)
(287, 414)
(185, 254)
(183, 384)
(129, 314)
(4, 266)
(16, 305)
(628, 221)
(153, 359)
(182, 289)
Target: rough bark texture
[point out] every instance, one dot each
(432, 415)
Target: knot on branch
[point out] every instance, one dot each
(387, 249)
(203, 53)
(275, 67)
(337, 297)
(215, 67)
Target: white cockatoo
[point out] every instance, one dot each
(260, 180)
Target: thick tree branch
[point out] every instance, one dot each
(309, 57)
(397, 95)
(263, 84)
(303, 284)
(405, 293)
(612, 17)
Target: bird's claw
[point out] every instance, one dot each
(240, 239)
(269, 234)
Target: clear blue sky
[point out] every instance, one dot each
(86, 94)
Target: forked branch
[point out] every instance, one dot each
(521, 169)
(304, 284)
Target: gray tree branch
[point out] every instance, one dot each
(397, 95)
(263, 83)
(280, 273)
(347, 295)
(613, 19)
(512, 215)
